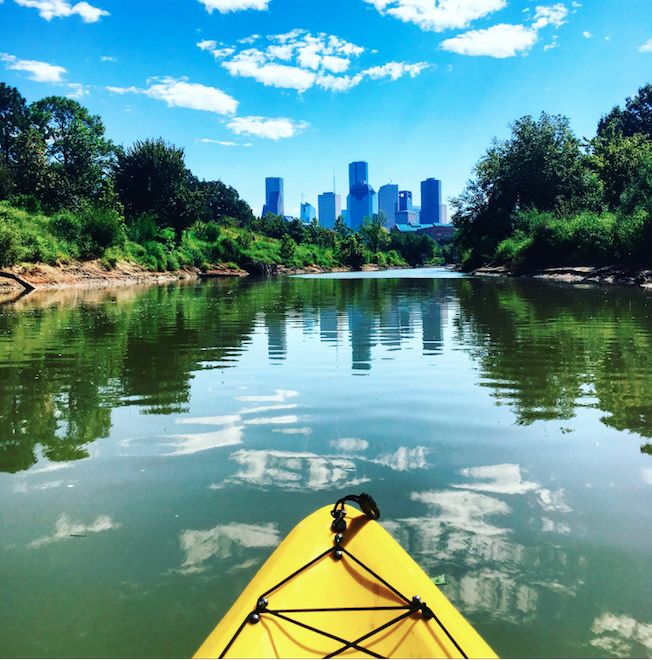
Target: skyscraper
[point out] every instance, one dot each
(273, 196)
(405, 200)
(308, 212)
(431, 201)
(388, 203)
(362, 197)
(329, 208)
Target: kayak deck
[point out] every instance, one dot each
(315, 597)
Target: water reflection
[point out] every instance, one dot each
(185, 429)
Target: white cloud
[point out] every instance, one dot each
(586, 35)
(248, 65)
(507, 40)
(124, 90)
(300, 60)
(49, 9)
(108, 58)
(395, 70)
(339, 83)
(77, 91)
(553, 44)
(498, 41)
(554, 15)
(269, 128)
(226, 6)
(39, 71)
(207, 44)
(179, 93)
(438, 15)
(646, 47)
(225, 143)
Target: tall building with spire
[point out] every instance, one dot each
(361, 200)
(273, 196)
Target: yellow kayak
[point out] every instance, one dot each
(340, 586)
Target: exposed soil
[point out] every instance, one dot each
(577, 274)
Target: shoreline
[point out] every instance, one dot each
(24, 279)
(618, 275)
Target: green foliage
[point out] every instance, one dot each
(542, 198)
(416, 249)
(151, 179)
(288, 249)
(351, 252)
(76, 150)
(635, 118)
(374, 234)
(10, 243)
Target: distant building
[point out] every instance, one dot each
(329, 208)
(431, 201)
(407, 217)
(388, 203)
(273, 196)
(308, 212)
(361, 201)
(405, 200)
(443, 214)
(441, 233)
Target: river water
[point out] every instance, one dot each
(156, 444)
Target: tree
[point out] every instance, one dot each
(636, 118)
(373, 232)
(288, 249)
(416, 249)
(78, 154)
(350, 252)
(223, 201)
(620, 161)
(13, 120)
(341, 228)
(541, 166)
(151, 178)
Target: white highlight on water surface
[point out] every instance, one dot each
(223, 542)
(349, 444)
(64, 528)
(616, 634)
(505, 479)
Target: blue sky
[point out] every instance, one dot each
(299, 88)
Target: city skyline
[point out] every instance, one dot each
(249, 87)
(364, 202)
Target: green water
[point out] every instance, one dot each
(156, 444)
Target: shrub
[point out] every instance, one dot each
(102, 228)
(67, 225)
(10, 244)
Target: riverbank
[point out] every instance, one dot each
(94, 274)
(641, 277)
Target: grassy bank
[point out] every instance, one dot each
(31, 237)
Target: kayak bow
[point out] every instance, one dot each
(334, 589)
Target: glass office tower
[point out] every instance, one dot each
(361, 200)
(388, 203)
(329, 208)
(273, 196)
(431, 201)
(308, 212)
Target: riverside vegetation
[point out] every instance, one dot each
(545, 197)
(68, 193)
